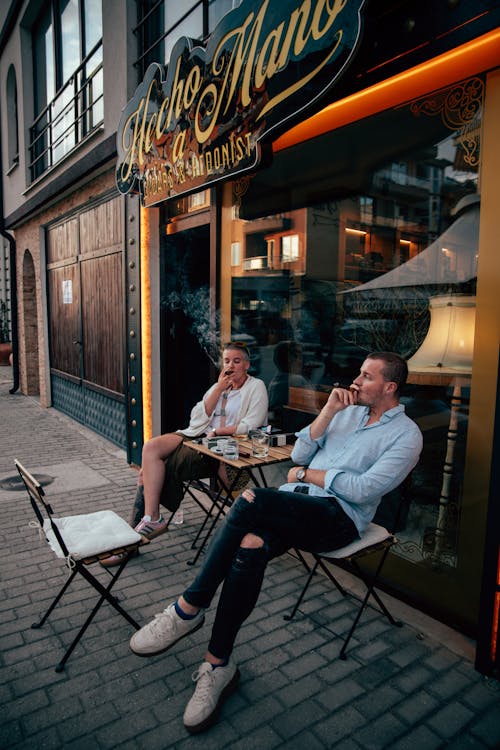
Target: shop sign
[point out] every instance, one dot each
(210, 113)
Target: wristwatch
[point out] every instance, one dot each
(300, 475)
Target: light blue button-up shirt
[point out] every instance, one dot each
(362, 463)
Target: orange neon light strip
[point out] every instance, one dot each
(474, 57)
(147, 412)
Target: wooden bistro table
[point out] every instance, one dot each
(246, 464)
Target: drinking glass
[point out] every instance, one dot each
(260, 443)
(230, 449)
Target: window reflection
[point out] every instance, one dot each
(318, 287)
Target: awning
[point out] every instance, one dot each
(451, 259)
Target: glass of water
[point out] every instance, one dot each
(230, 449)
(260, 443)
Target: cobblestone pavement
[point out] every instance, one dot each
(413, 687)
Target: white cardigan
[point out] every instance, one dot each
(251, 415)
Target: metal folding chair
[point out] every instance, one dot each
(73, 539)
(377, 540)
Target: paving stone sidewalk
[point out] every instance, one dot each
(413, 687)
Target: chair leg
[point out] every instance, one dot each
(204, 523)
(370, 591)
(302, 559)
(312, 571)
(105, 592)
(225, 503)
(222, 501)
(332, 578)
(208, 513)
(56, 601)
(318, 562)
(105, 595)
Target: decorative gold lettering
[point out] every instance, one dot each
(176, 95)
(332, 13)
(240, 148)
(130, 147)
(232, 75)
(245, 59)
(159, 122)
(181, 177)
(179, 146)
(193, 83)
(195, 166)
(225, 155)
(266, 68)
(206, 102)
(302, 34)
(246, 96)
(147, 138)
(140, 150)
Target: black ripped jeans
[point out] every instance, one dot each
(282, 520)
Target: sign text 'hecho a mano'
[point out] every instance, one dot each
(206, 115)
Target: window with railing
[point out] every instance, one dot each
(68, 76)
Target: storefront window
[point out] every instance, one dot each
(315, 288)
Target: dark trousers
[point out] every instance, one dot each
(283, 520)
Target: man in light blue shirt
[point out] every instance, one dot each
(360, 446)
(358, 458)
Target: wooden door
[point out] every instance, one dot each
(86, 314)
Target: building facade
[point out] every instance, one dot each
(316, 179)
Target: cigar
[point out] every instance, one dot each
(244, 454)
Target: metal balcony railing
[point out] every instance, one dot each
(255, 263)
(76, 110)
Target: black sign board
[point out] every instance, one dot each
(208, 115)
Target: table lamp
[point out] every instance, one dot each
(447, 347)
(445, 358)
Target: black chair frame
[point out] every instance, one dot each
(349, 562)
(43, 511)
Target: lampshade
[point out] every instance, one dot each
(449, 343)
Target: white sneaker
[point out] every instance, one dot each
(212, 688)
(164, 631)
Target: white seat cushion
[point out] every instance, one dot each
(91, 534)
(373, 535)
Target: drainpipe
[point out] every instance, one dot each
(13, 308)
(13, 289)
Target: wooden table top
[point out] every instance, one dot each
(276, 454)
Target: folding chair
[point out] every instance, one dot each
(220, 496)
(376, 540)
(82, 540)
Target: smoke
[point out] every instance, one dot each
(196, 307)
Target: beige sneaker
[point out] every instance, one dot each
(212, 688)
(164, 631)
